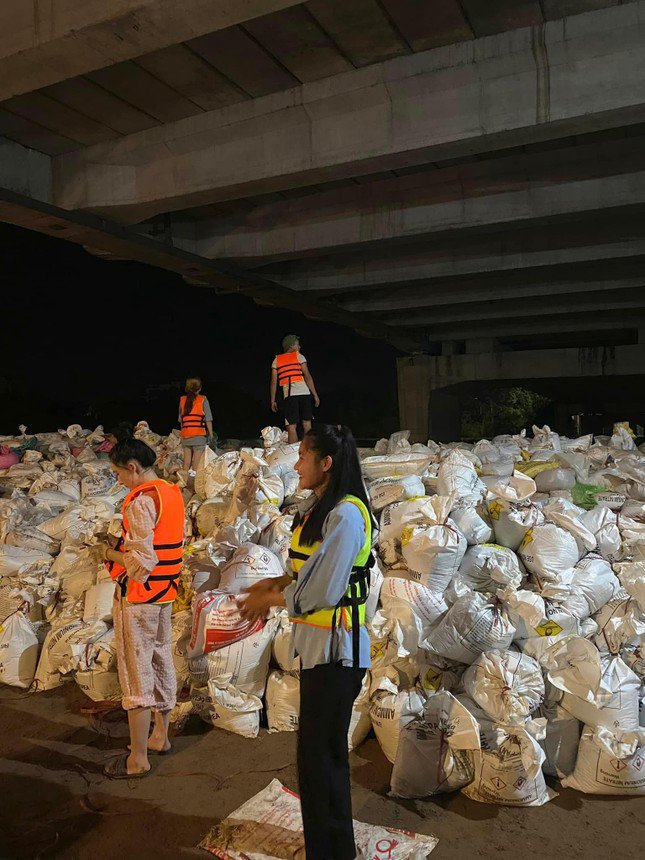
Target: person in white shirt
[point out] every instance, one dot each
(289, 370)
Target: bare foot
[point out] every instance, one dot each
(137, 766)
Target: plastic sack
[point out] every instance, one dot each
(507, 685)
(390, 710)
(475, 623)
(98, 602)
(488, 568)
(609, 763)
(458, 476)
(508, 768)
(548, 551)
(18, 651)
(432, 548)
(273, 819)
(560, 743)
(245, 664)
(414, 606)
(387, 491)
(283, 702)
(249, 564)
(434, 753)
(599, 690)
(217, 622)
(603, 524)
(225, 707)
(472, 524)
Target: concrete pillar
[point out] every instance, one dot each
(415, 382)
(444, 416)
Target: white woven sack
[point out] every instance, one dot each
(435, 750)
(474, 624)
(283, 702)
(609, 763)
(391, 709)
(508, 768)
(507, 685)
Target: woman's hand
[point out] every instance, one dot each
(264, 586)
(255, 604)
(106, 553)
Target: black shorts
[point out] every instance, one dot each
(298, 408)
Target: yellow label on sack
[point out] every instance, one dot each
(377, 650)
(528, 538)
(532, 469)
(548, 628)
(494, 509)
(432, 679)
(496, 546)
(406, 536)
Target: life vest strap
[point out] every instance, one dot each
(178, 545)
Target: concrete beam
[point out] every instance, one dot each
(592, 301)
(25, 171)
(441, 104)
(460, 293)
(271, 232)
(114, 241)
(515, 328)
(514, 252)
(43, 42)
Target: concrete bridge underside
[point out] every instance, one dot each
(463, 179)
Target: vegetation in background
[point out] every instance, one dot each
(500, 410)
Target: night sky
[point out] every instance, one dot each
(89, 341)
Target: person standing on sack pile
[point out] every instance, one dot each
(330, 557)
(145, 564)
(290, 370)
(196, 420)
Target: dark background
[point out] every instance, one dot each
(88, 341)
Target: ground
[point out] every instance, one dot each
(56, 803)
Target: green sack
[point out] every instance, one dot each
(586, 495)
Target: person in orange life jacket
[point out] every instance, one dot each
(330, 556)
(290, 370)
(145, 565)
(196, 421)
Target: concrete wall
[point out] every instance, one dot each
(430, 409)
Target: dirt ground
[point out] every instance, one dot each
(56, 802)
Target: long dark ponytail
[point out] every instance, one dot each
(129, 448)
(337, 442)
(192, 389)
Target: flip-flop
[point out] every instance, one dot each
(117, 768)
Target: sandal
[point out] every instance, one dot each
(117, 768)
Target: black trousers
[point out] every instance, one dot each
(327, 694)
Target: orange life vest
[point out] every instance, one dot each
(289, 369)
(194, 422)
(161, 585)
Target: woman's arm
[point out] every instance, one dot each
(139, 556)
(309, 380)
(274, 388)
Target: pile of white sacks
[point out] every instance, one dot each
(506, 620)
